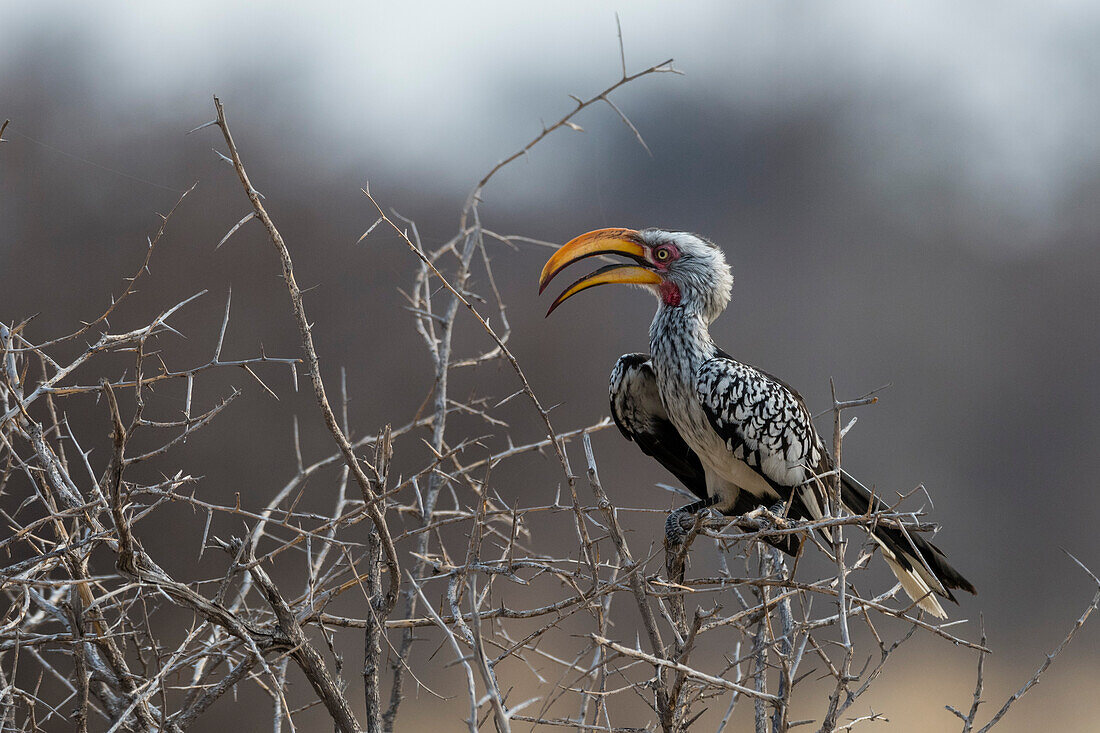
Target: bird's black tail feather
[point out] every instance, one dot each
(919, 565)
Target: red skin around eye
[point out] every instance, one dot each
(670, 292)
(673, 255)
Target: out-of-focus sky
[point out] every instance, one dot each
(1002, 95)
(907, 194)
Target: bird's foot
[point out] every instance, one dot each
(769, 517)
(677, 527)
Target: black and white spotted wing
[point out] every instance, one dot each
(764, 423)
(637, 410)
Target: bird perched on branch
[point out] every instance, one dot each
(736, 436)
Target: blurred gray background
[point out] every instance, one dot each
(907, 195)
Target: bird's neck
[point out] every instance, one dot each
(679, 340)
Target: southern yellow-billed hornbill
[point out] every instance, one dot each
(736, 436)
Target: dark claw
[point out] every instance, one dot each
(677, 526)
(681, 521)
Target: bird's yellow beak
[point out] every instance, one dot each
(625, 242)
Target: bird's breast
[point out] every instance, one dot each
(686, 413)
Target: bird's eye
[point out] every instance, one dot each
(662, 254)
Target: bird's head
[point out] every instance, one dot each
(683, 270)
